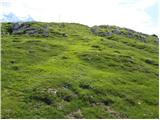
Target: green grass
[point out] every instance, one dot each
(73, 73)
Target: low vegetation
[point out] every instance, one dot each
(68, 70)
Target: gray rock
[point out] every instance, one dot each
(130, 35)
(116, 31)
(94, 29)
(33, 31)
(24, 28)
(156, 38)
(108, 33)
(140, 37)
(16, 26)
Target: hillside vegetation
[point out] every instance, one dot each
(68, 70)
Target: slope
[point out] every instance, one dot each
(68, 70)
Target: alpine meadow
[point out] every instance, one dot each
(73, 71)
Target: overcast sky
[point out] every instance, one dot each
(140, 15)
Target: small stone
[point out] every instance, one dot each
(53, 91)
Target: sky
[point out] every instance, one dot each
(139, 15)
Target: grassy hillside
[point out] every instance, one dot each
(67, 70)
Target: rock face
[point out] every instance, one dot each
(32, 29)
(26, 28)
(106, 30)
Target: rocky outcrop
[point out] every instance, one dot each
(35, 29)
(26, 28)
(106, 30)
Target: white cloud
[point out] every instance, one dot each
(125, 13)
